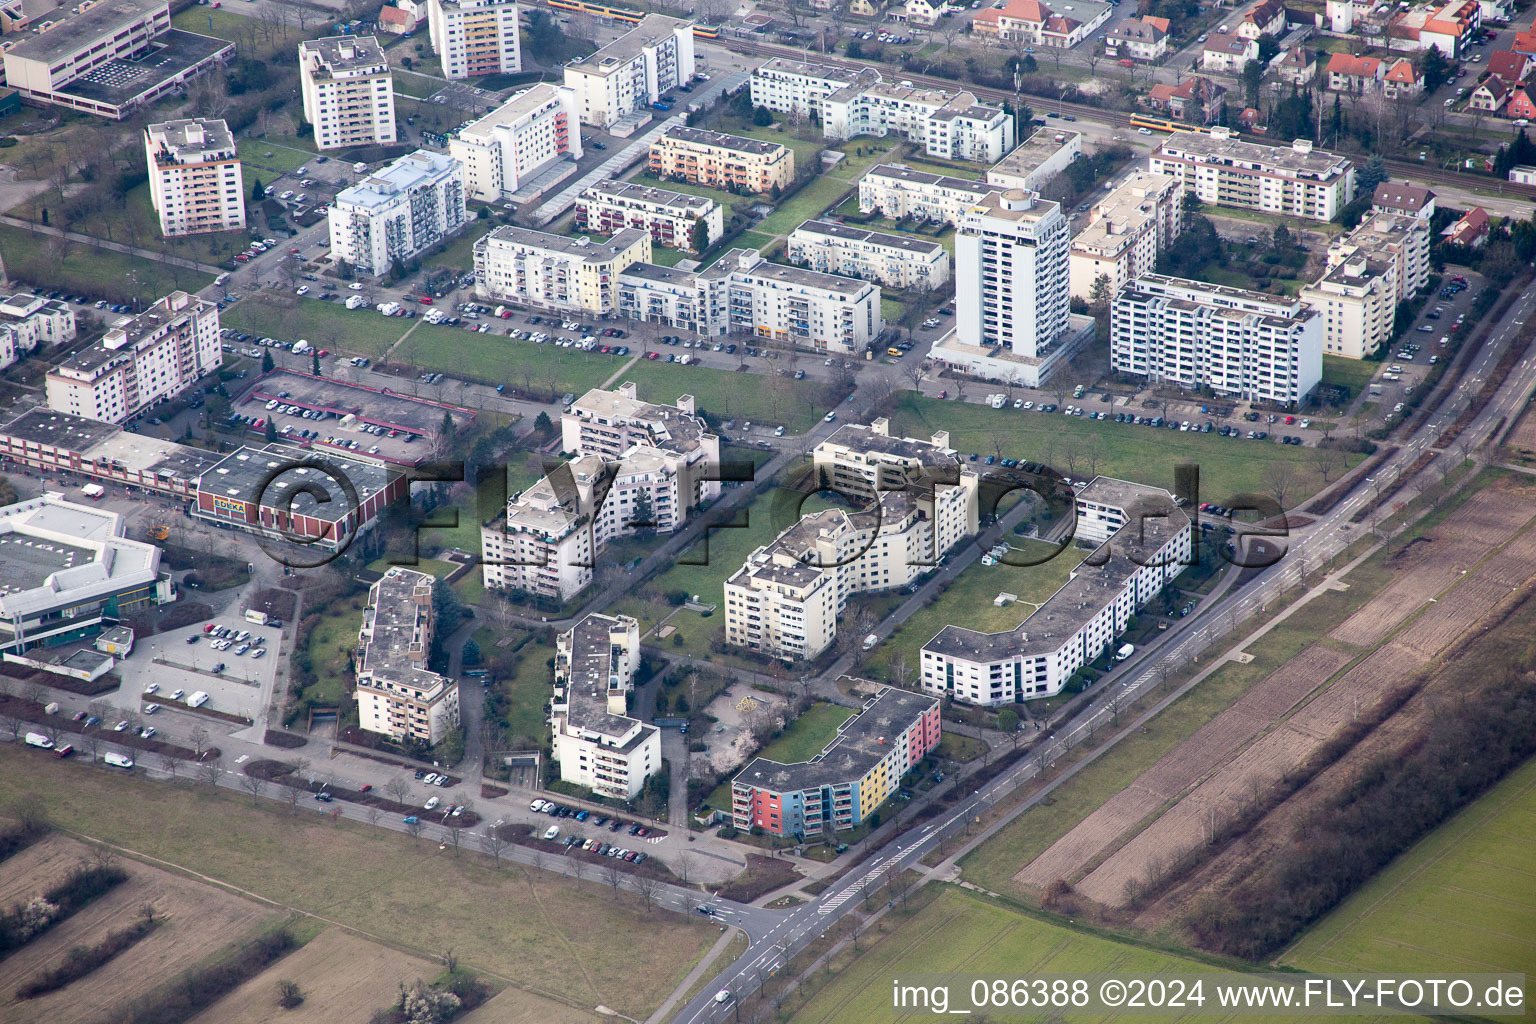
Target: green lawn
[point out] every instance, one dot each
(968, 602)
(75, 266)
(332, 639)
(261, 157)
(730, 394)
(807, 151)
(461, 253)
(527, 684)
(807, 735)
(810, 202)
(1228, 466)
(134, 221)
(959, 932)
(703, 568)
(1462, 899)
(223, 23)
(289, 318)
(1354, 374)
(493, 357)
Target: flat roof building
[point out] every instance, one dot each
(728, 162)
(1046, 153)
(1126, 233)
(349, 96)
(632, 72)
(66, 568)
(399, 211)
(1222, 170)
(900, 192)
(547, 271)
(57, 442)
(195, 181)
(397, 694)
(677, 220)
(530, 132)
(475, 37)
(848, 779)
(895, 261)
(598, 745)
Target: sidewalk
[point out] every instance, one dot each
(705, 962)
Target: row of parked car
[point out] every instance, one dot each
(561, 811)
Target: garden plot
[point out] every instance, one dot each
(1184, 766)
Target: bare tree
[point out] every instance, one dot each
(413, 826)
(170, 764)
(613, 876)
(13, 723)
(254, 784)
(649, 889)
(1278, 479)
(493, 843)
(372, 813)
(398, 788)
(210, 770)
(292, 792)
(199, 738)
(684, 866)
(455, 833)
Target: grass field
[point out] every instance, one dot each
(260, 157)
(968, 602)
(289, 318)
(730, 394)
(78, 267)
(493, 357)
(329, 643)
(553, 935)
(223, 23)
(1354, 374)
(960, 932)
(807, 735)
(528, 686)
(1462, 899)
(1227, 466)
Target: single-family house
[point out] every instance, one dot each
(1511, 66)
(1227, 53)
(1471, 231)
(1525, 42)
(1297, 66)
(1403, 199)
(1197, 100)
(1031, 21)
(1402, 79)
(1351, 74)
(1489, 96)
(1266, 19)
(924, 12)
(1143, 38)
(1520, 104)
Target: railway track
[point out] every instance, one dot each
(1116, 119)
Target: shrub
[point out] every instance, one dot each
(288, 994)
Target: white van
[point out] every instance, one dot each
(197, 700)
(550, 834)
(118, 760)
(37, 739)
(220, 279)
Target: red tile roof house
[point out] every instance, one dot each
(1352, 74)
(1402, 79)
(1471, 230)
(1267, 18)
(1520, 104)
(1489, 95)
(1402, 198)
(1525, 42)
(1196, 99)
(1510, 66)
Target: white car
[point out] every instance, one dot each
(147, 732)
(178, 694)
(120, 726)
(152, 688)
(431, 803)
(260, 652)
(356, 286)
(303, 289)
(287, 194)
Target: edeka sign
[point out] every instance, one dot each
(229, 506)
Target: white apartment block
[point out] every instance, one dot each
(348, 93)
(107, 58)
(1295, 181)
(631, 73)
(638, 467)
(1396, 238)
(1356, 299)
(673, 219)
(565, 275)
(409, 206)
(1011, 282)
(1238, 343)
(1125, 234)
(786, 599)
(140, 362)
(895, 261)
(731, 163)
(1080, 621)
(1039, 158)
(948, 125)
(898, 191)
(397, 695)
(195, 184)
(597, 744)
(32, 320)
(475, 37)
(743, 293)
(517, 140)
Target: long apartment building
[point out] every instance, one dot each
(1046, 153)
(633, 71)
(676, 220)
(919, 501)
(140, 361)
(348, 93)
(848, 779)
(597, 743)
(743, 293)
(898, 192)
(475, 37)
(195, 183)
(566, 275)
(895, 261)
(397, 694)
(1079, 622)
(1294, 181)
(1382, 262)
(108, 58)
(517, 140)
(1126, 233)
(948, 125)
(638, 467)
(398, 212)
(1238, 343)
(727, 162)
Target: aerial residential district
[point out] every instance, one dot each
(813, 511)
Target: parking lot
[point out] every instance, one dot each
(348, 417)
(235, 684)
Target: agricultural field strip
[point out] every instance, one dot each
(1262, 764)
(1180, 769)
